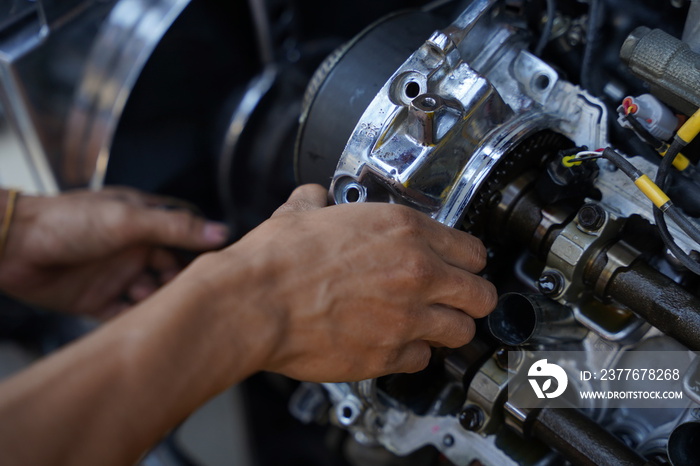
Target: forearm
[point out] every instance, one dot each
(109, 397)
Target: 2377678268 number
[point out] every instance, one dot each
(640, 374)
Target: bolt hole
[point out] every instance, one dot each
(429, 102)
(542, 82)
(347, 412)
(352, 194)
(412, 90)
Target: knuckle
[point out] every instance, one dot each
(419, 270)
(295, 205)
(479, 253)
(384, 362)
(421, 358)
(308, 190)
(487, 298)
(183, 223)
(406, 219)
(464, 332)
(120, 221)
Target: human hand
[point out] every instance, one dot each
(349, 292)
(98, 252)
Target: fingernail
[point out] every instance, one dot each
(215, 233)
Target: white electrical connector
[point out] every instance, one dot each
(654, 116)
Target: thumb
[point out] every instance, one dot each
(178, 228)
(305, 197)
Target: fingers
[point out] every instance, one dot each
(445, 326)
(139, 198)
(305, 197)
(142, 287)
(465, 291)
(175, 228)
(457, 248)
(453, 246)
(164, 264)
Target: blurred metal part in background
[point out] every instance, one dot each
(79, 80)
(42, 46)
(125, 41)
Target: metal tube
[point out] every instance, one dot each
(579, 439)
(521, 319)
(658, 299)
(682, 444)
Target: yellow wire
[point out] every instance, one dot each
(690, 128)
(652, 191)
(681, 162)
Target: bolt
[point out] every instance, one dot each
(502, 358)
(591, 217)
(494, 200)
(448, 440)
(550, 283)
(471, 418)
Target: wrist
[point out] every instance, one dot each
(230, 295)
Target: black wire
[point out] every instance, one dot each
(662, 182)
(620, 162)
(595, 9)
(642, 132)
(547, 30)
(682, 221)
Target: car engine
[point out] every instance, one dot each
(536, 125)
(475, 128)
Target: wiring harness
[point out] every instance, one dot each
(656, 191)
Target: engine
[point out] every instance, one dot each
(561, 133)
(488, 125)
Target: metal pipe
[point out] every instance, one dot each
(579, 439)
(656, 298)
(521, 319)
(682, 444)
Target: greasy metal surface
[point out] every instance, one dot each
(492, 95)
(573, 248)
(581, 440)
(345, 84)
(620, 256)
(659, 300)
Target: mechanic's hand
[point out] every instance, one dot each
(355, 291)
(98, 252)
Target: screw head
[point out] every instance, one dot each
(550, 283)
(591, 217)
(471, 417)
(448, 440)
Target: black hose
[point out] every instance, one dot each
(642, 132)
(547, 30)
